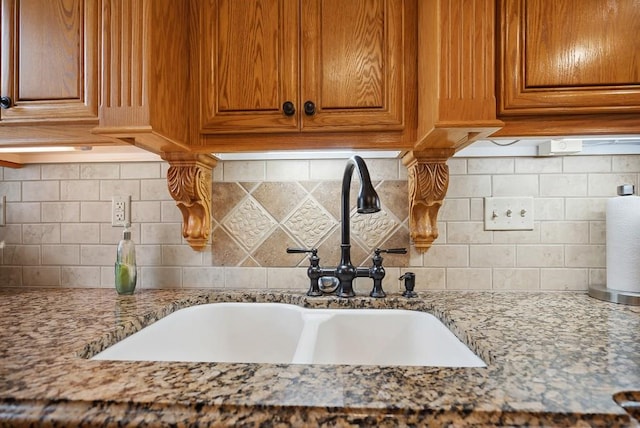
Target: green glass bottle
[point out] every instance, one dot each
(125, 268)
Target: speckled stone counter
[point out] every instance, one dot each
(554, 359)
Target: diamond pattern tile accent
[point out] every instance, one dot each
(310, 223)
(249, 223)
(372, 229)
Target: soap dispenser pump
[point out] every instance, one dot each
(125, 268)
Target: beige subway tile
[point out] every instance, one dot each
(27, 172)
(539, 256)
(328, 169)
(564, 185)
(492, 255)
(80, 233)
(160, 277)
(43, 233)
(60, 212)
(588, 256)
(100, 171)
(154, 190)
(597, 232)
(95, 212)
(60, 254)
(99, 255)
(490, 166)
(180, 255)
(203, 277)
(426, 279)
(626, 163)
(287, 170)
(515, 185)
(12, 190)
(140, 170)
(548, 209)
(564, 232)
(289, 278)
(468, 233)
(468, 187)
(111, 188)
(12, 234)
(564, 279)
(457, 166)
(516, 279)
(447, 256)
(80, 276)
(65, 171)
(518, 236)
(41, 276)
(597, 277)
(243, 278)
(161, 233)
(40, 191)
(80, 190)
(476, 212)
(244, 170)
(542, 165)
(21, 255)
(148, 255)
(390, 283)
(382, 169)
(11, 276)
(147, 212)
(585, 208)
(607, 184)
(586, 164)
(403, 172)
(107, 277)
(217, 175)
(415, 256)
(454, 209)
(468, 279)
(169, 212)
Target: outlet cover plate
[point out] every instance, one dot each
(120, 210)
(508, 213)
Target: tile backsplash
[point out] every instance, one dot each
(58, 224)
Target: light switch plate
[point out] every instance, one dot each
(508, 213)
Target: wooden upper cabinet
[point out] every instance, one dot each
(48, 60)
(302, 65)
(569, 57)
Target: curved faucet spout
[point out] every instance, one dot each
(368, 203)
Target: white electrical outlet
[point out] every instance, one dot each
(3, 210)
(508, 213)
(120, 210)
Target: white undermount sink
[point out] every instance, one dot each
(283, 333)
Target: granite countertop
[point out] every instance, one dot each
(552, 359)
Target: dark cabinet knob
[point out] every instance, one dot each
(288, 108)
(5, 102)
(309, 108)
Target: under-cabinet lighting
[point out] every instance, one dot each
(43, 149)
(309, 154)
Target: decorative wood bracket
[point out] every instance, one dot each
(428, 176)
(189, 180)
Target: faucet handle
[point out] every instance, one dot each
(391, 251)
(313, 251)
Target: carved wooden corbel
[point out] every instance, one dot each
(189, 180)
(428, 177)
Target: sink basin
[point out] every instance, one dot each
(283, 333)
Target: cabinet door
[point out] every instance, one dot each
(569, 56)
(352, 64)
(49, 60)
(249, 65)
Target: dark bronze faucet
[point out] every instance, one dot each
(368, 202)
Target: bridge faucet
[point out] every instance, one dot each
(342, 276)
